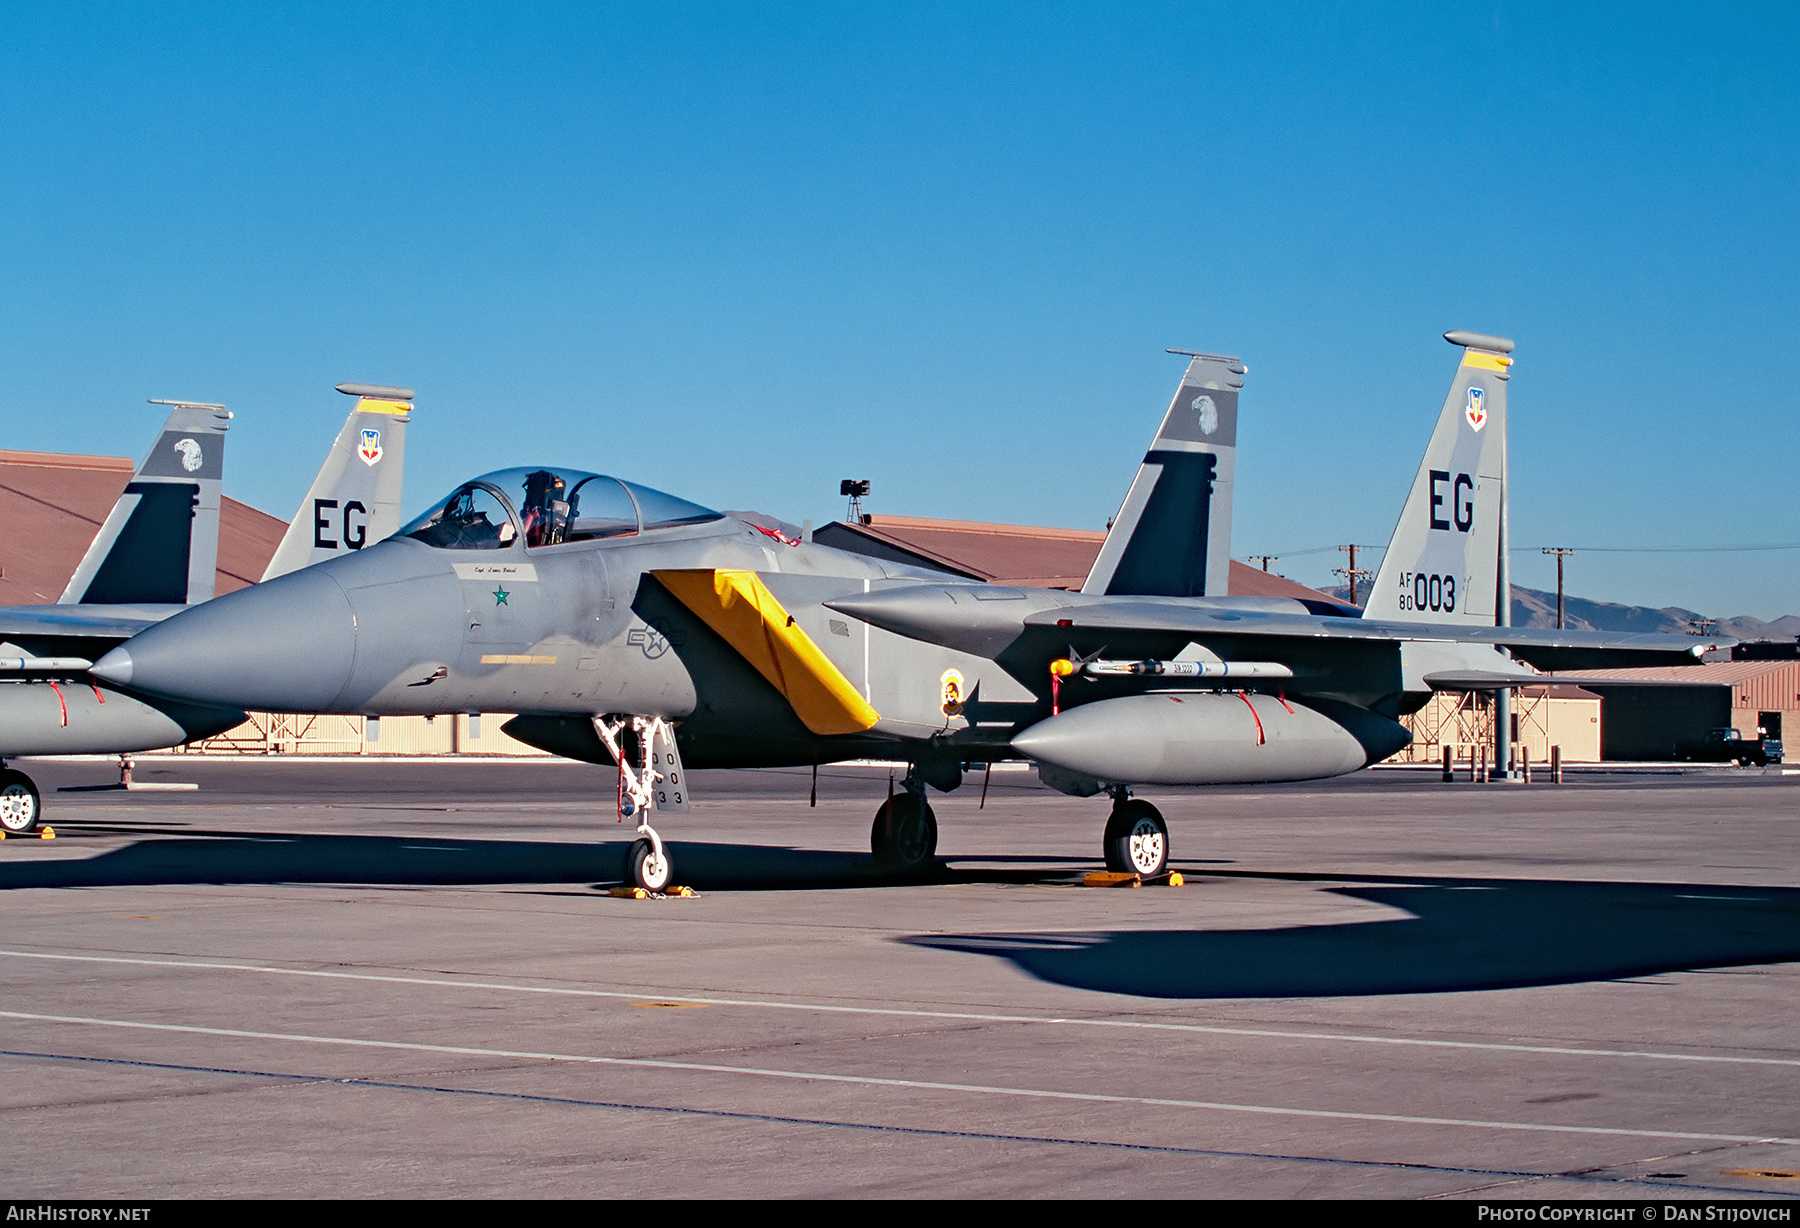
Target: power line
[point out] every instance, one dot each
(1283, 554)
(1674, 549)
(1294, 554)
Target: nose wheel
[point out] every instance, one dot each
(648, 865)
(904, 837)
(19, 803)
(1137, 839)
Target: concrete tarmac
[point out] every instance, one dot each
(377, 979)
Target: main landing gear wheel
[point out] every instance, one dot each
(904, 837)
(19, 805)
(646, 868)
(1136, 840)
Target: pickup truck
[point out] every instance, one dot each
(1724, 745)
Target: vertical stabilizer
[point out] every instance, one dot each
(160, 543)
(1445, 562)
(355, 500)
(1172, 536)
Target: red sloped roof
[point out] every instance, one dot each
(51, 505)
(1032, 556)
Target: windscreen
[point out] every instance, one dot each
(471, 519)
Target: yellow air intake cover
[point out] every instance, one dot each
(740, 607)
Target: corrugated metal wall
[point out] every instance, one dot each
(271, 733)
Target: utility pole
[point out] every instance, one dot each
(1351, 572)
(1264, 559)
(1561, 553)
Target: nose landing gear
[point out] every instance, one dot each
(656, 782)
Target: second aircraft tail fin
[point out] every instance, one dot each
(355, 500)
(1172, 536)
(1446, 562)
(160, 543)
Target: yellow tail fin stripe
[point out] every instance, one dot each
(369, 405)
(1487, 362)
(740, 607)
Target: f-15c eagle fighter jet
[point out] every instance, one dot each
(156, 554)
(629, 626)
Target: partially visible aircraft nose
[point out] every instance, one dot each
(286, 645)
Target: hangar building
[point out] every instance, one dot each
(1645, 712)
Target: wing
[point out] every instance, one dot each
(988, 618)
(36, 640)
(95, 622)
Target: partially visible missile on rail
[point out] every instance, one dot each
(44, 665)
(1177, 668)
(1204, 738)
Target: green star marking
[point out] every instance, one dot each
(500, 596)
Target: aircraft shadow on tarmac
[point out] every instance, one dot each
(1458, 934)
(170, 857)
(1462, 934)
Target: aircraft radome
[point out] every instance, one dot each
(629, 626)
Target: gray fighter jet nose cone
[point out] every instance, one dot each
(284, 646)
(114, 667)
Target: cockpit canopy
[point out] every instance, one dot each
(547, 507)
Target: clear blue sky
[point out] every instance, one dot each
(742, 251)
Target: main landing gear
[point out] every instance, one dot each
(19, 803)
(904, 837)
(1136, 839)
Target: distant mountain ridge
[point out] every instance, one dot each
(1532, 608)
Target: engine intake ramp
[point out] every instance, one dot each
(746, 615)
